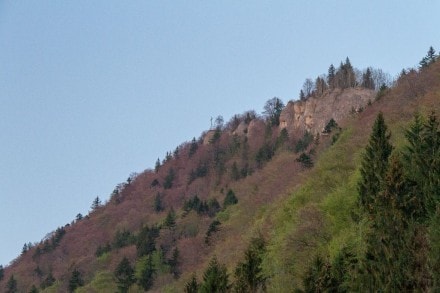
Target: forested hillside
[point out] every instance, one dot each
(254, 206)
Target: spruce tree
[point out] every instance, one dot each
(389, 262)
(11, 286)
(331, 76)
(422, 160)
(249, 273)
(170, 220)
(374, 164)
(215, 278)
(230, 199)
(2, 272)
(192, 286)
(147, 274)
(96, 203)
(124, 275)
(75, 281)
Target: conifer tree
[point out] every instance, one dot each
(170, 220)
(11, 286)
(331, 77)
(249, 273)
(147, 274)
(230, 199)
(2, 272)
(124, 275)
(215, 278)
(193, 147)
(96, 203)
(33, 289)
(75, 280)
(158, 205)
(374, 163)
(422, 158)
(389, 262)
(157, 165)
(192, 286)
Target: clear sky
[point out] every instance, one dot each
(91, 91)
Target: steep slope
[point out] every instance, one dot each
(299, 211)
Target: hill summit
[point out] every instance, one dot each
(312, 196)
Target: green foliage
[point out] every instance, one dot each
(192, 286)
(215, 278)
(168, 183)
(330, 125)
(193, 147)
(282, 139)
(48, 281)
(124, 275)
(305, 160)
(157, 165)
(174, 263)
(146, 240)
(374, 163)
(147, 273)
(264, 154)
(272, 111)
(103, 281)
(170, 220)
(122, 238)
(213, 227)
(199, 172)
(11, 286)
(210, 207)
(302, 144)
(96, 204)
(428, 59)
(422, 158)
(100, 250)
(230, 199)
(158, 204)
(249, 275)
(33, 289)
(75, 280)
(367, 79)
(2, 272)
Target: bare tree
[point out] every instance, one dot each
(308, 87)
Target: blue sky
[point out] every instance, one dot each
(91, 91)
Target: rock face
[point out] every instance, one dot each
(313, 114)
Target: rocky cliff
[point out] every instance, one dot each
(313, 114)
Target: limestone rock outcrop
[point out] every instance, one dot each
(313, 114)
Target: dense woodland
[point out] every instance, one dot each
(354, 209)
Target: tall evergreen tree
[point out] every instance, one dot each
(215, 278)
(124, 275)
(75, 281)
(158, 204)
(192, 286)
(390, 262)
(11, 286)
(374, 163)
(367, 79)
(2, 272)
(331, 76)
(422, 159)
(249, 273)
(230, 199)
(147, 274)
(170, 220)
(96, 203)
